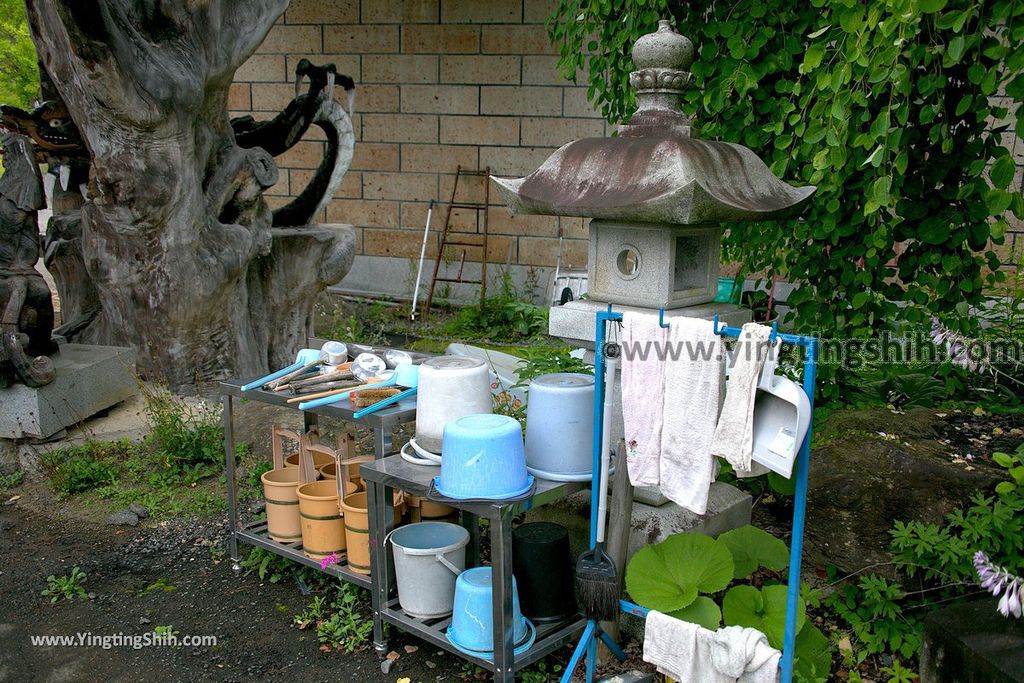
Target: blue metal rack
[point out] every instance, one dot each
(593, 632)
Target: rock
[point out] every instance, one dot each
(628, 677)
(409, 649)
(861, 482)
(241, 473)
(430, 664)
(123, 518)
(140, 510)
(259, 506)
(6, 523)
(385, 666)
(972, 642)
(144, 620)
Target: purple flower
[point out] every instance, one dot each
(329, 561)
(994, 578)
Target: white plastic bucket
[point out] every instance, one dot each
(449, 387)
(560, 427)
(429, 556)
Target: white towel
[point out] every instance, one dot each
(694, 375)
(643, 380)
(734, 436)
(692, 654)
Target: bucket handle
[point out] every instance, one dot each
(279, 434)
(447, 563)
(438, 556)
(307, 445)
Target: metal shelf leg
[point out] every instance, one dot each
(377, 500)
(501, 585)
(227, 415)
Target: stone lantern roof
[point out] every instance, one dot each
(655, 171)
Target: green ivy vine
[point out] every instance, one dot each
(895, 109)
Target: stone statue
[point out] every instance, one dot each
(162, 240)
(27, 321)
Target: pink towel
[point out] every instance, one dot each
(643, 384)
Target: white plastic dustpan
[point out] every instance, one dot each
(782, 416)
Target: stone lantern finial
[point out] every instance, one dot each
(661, 59)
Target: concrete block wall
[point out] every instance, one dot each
(439, 83)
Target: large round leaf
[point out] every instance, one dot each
(667, 576)
(703, 611)
(753, 548)
(764, 610)
(812, 654)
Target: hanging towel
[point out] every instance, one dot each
(744, 655)
(643, 380)
(734, 436)
(694, 375)
(692, 654)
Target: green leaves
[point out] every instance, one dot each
(888, 109)
(667, 576)
(753, 548)
(763, 609)
(702, 611)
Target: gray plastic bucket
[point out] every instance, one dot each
(429, 556)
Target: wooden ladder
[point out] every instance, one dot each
(463, 241)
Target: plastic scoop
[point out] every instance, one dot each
(782, 416)
(337, 398)
(406, 375)
(303, 358)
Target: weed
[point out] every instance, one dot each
(158, 586)
(80, 468)
(66, 587)
(541, 672)
(12, 480)
(342, 621)
(274, 568)
(898, 674)
(188, 438)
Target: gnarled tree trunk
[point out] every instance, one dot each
(175, 233)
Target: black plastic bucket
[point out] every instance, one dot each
(542, 564)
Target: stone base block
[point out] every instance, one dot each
(972, 643)
(728, 508)
(89, 379)
(574, 322)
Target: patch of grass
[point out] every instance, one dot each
(66, 587)
(340, 617)
(93, 464)
(12, 480)
(172, 473)
(158, 586)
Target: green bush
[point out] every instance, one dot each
(94, 464)
(188, 437)
(935, 566)
(892, 108)
(708, 581)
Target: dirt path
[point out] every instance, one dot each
(251, 620)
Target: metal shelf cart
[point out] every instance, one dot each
(382, 477)
(255, 533)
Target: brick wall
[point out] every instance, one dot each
(440, 83)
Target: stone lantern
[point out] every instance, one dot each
(658, 198)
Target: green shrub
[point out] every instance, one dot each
(12, 480)
(894, 109)
(66, 587)
(708, 581)
(93, 464)
(188, 437)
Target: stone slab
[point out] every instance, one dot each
(728, 508)
(574, 322)
(972, 643)
(89, 379)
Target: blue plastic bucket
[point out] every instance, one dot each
(483, 457)
(472, 627)
(728, 292)
(429, 556)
